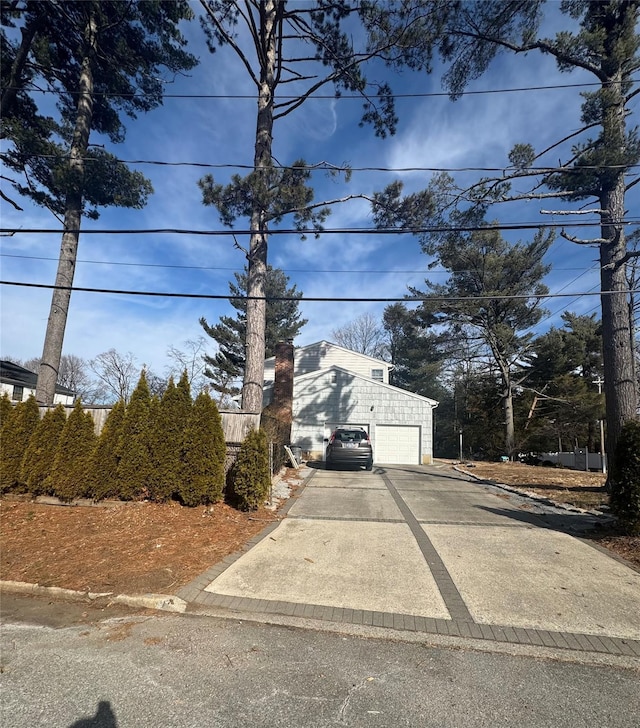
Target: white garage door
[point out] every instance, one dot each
(397, 445)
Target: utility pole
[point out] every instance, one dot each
(603, 458)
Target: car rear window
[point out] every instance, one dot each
(350, 435)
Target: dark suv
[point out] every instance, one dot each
(349, 446)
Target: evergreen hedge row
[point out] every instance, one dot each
(156, 449)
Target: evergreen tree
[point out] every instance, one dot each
(625, 494)
(416, 353)
(171, 418)
(482, 266)
(250, 474)
(6, 409)
(15, 436)
(283, 322)
(100, 59)
(103, 464)
(203, 452)
(68, 478)
(39, 456)
(135, 467)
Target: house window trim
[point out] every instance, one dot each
(377, 375)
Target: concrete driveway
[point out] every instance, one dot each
(424, 549)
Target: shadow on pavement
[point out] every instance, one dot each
(570, 523)
(104, 718)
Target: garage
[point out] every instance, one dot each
(397, 445)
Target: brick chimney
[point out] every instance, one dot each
(283, 384)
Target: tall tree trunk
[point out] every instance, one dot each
(54, 337)
(257, 260)
(619, 386)
(509, 426)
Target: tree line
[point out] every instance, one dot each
(156, 448)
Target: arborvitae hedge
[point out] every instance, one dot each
(14, 440)
(169, 423)
(250, 475)
(625, 478)
(134, 468)
(103, 463)
(203, 452)
(68, 478)
(6, 409)
(40, 454)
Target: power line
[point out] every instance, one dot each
(315, 299)
(285, 270)
(328, 167)
(306, 231)
(334, 97)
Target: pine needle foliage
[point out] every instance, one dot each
(68, 477)
(15, 436)
(134, 468)
(103, 463)
(203, 454)
(250, 475)
(625, 478)
(170, 419)
(40, 454)
(6, 409)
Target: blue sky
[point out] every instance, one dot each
(476, 131)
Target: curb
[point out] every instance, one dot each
(159, 602)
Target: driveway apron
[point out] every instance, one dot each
(424, 549)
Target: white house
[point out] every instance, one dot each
(335, 386)
(19, 383)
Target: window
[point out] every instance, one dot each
(377, 375)
(17, 393)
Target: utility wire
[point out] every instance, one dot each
(334, 97)
(325, 231)
(303, 299)
(328, 167)
(285, 270)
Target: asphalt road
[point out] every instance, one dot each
(95, 670)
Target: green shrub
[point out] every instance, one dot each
(169, 420)
(250, 475)
(134, 468)
(625, 478)
(203, 452)
(14, 440)
(6, 409)
(40, 454)
(103, 464)
(68, 478)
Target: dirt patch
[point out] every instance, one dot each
(130, 548)
(561, 485)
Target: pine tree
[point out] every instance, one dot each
(282, 323)
(203, 453)
(103, 464)
(134, 468)
(100, 59)
(39, 456)
(68, 476)
(15, 436)
(250, 474)
(170, 419)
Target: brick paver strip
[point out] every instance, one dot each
(448, 590)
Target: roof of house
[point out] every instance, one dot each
(11, 373)
(323, 342)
